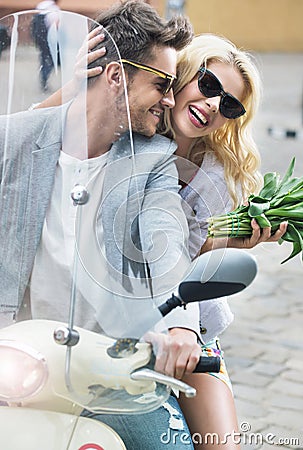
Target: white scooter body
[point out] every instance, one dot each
(48, 419)
(31, 429)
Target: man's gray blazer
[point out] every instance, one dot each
(144, 228)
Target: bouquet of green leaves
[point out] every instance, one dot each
(279, 200)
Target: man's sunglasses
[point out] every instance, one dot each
(169, 79)
(210, 86)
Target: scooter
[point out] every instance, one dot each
(43, 389)
(50, 370)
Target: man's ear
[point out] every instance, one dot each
(114, 74)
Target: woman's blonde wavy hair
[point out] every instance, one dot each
(233, 143)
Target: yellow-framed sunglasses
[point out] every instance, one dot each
(166, 76)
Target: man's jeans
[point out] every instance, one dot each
(162, 429)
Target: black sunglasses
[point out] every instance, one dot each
(167, 77)
(209, 85)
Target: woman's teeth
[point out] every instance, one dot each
(198, 115)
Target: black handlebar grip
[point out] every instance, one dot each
(208, 364)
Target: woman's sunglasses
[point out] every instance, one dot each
(210, 86)
(167, 77)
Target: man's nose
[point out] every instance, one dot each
(168, 99)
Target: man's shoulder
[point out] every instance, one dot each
(33, 115)
(31, 124)
(155, 144)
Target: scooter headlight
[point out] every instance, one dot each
(23, 371)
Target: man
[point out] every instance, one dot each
(134, 248)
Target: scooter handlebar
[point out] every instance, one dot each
(208, 364)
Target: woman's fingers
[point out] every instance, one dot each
(87, 54)
(258, 236)
(81, 70)
(95, 54)
(95, 32)
(266, 233)
(94, 40)
(94, 71)
(279, 233)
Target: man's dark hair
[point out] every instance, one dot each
(138, 30)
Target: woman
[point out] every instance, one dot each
(218, 165)
(217, 93)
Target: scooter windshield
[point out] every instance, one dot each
(87, 208)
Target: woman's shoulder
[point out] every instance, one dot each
(211, 163)
(211, 171)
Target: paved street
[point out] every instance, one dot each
(264, 345)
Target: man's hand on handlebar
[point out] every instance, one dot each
(177, 352)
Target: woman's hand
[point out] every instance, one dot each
(258, 236)
(88, 55)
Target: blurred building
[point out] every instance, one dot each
(86, 7)
(261, 25)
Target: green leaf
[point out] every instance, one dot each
(276, 202)
(293, 233)
(296, 250)
(294, 236)
(263, 221)
(294, 211)
(256, 209)
(289, 237)
(292, 197)
(283, 186)
(257, 199)
(297, 223)
(270, 185)
(293, 185)
(288, 173)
